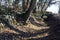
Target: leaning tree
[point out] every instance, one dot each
(24, 16)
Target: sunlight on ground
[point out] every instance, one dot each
(35, 27)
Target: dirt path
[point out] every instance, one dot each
(29, 32)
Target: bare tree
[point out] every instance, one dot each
(24, 16)
(44, 4)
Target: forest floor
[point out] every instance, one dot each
(34, 30)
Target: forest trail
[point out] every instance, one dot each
(32, 31)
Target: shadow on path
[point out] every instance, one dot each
(22, 34)
(54, 31)
(34, 22)
(53, 21)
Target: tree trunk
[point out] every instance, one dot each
(30, 9)
(0, 2)
(24, 16)
(15, 4)
(59, 9)
(34, 11)
(25, 4)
